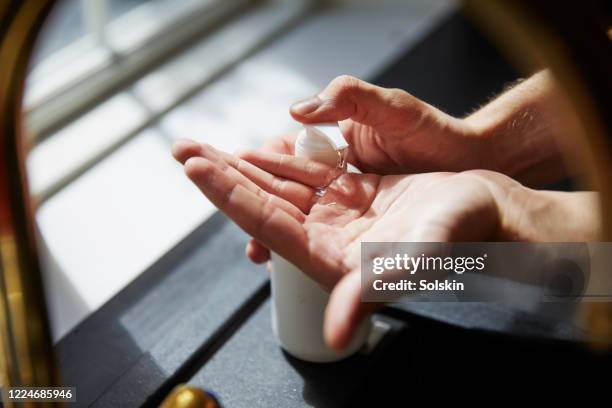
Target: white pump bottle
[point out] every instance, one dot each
(298, 301)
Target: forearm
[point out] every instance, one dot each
(524, 130)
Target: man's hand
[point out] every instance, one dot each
(273, 198)
(390, 131)
(521, 133)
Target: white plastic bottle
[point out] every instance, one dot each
(298, 301)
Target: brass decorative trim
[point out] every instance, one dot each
(28, 358)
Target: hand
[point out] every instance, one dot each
(273, 198)
(390, 131)
(522, 133)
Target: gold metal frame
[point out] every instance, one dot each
(28, 358)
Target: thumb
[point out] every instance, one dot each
(347, 97)
(345, 311)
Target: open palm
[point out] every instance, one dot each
(277, 199)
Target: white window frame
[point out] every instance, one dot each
(82, 74)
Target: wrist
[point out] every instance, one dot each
(490, 129)
(467, 145)
(549, 216)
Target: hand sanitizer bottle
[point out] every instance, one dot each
(298, 301)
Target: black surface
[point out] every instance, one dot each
(454, 69)
(251, 370)
(149, 336)
(440, 362)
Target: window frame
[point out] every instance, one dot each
(85, 72)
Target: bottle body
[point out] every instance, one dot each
(298, 308)
(298, 302)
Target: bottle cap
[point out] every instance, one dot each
(319, 135)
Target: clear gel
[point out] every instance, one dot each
(340, 165)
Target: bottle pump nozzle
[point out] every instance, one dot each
(328, 131)
(321, 142)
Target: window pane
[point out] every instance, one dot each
(67, 23)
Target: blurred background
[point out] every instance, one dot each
(113, 83)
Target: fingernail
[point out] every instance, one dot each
(306, 106)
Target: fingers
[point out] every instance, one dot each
(298, 194)
(345, 311)
(183, 149)
(347, 97)
(296, 199)
(258, 214)
(300, 169)
(256, 252)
